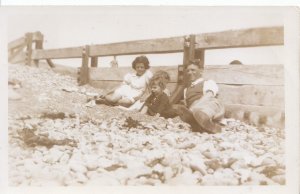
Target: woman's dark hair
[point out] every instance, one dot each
(141, 59)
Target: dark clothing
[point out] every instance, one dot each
(160, 104)
(194, 93)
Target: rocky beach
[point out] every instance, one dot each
(57, 139)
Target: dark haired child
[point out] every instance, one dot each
(165, 77)
(157, 104)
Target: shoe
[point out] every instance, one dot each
(206, 123)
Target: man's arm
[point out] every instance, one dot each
(210, 86)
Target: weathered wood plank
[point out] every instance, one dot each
(16, 52)
(29, 48)
(246, 74)
(107, 85)
(246, 95)
(117, 74)
(252, 95)
(17, 43)
(160, 45)
(256, 115)
(63, 53)
(252, 37)
(84, 70)
(222, 74)
(226, 39)
(19, 58)
(37, 36)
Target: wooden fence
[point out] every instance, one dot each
(254, 93)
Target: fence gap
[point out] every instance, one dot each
(94, 61)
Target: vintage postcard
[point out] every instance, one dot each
(175, 98)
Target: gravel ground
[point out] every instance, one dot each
(55, 139)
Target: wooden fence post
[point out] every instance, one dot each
(38, 45)
(29, 48)
(84, 70)
(191, 48)
(188, 56)
(199, 57)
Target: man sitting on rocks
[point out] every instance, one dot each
(202, 109)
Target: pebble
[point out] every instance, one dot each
(77, 166)
(103, 180)
(279, 179)
(13, 95)
(268, 162)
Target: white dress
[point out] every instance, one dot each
(134, 85)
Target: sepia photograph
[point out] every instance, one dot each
(150, 96)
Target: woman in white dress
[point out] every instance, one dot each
(133, 86)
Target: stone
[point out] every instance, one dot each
(210, 154)
(227, 145)
(54, 155)
(213, 164)
(168, 173)
(268, 162)
(81, 178)
(13, 95)
(92, 174)
(103, 180)
(77, 167)
(185, 178)
(92, 165)
(244, 175)
(196, 162)
(220, 177)
(64, 158)
(279, 179)
(239, 164)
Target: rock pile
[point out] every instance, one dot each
(108, 146)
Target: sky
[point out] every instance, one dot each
(78, 26)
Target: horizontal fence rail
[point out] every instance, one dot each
(17, 43)
(253, 37)
(268, 75)
(63, 53)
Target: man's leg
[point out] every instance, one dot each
(206, 122)
(187, 116)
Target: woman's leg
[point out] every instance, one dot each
(113, 97)
(124, 102)
(109, 99)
